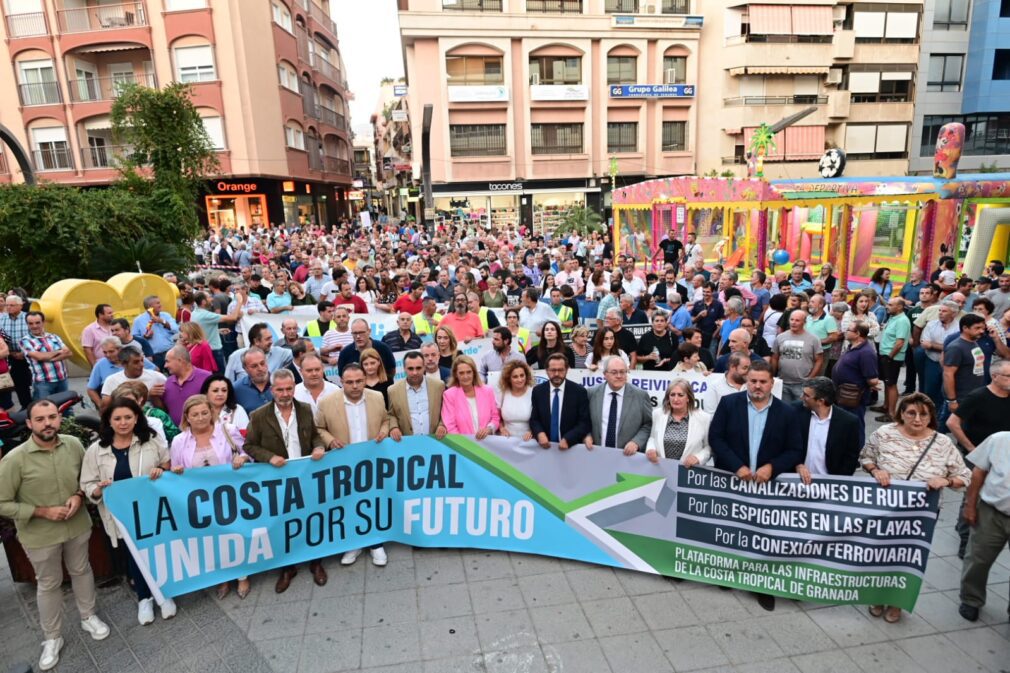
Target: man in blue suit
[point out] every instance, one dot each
(756, 436)
(570, 423)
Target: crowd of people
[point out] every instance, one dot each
(176, 391)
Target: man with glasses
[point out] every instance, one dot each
(361, 335)
(620, 414)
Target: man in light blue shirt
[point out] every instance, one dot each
(314, 283)
(262, 338)
(158, 327)
(680, 319)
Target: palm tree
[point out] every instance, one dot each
(580, 220)
(145, 255)
(761, 143)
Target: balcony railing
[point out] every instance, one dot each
(328, 70)
(105, 88)
(315, 161)
(788, 39)
(554, 6)
(777, 100)
(472, 5)
(101, 17)
(336, 165)
(40, 93)
(53, 159)
(341, 121)
(27, 25)
(320, 15)
(621, 7)
(327, 116)
(106, 156)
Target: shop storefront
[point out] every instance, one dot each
(239, 204)
(538, 204)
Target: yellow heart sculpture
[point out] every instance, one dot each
(69, 305)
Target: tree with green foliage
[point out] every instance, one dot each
(148, 218)
(581, 221)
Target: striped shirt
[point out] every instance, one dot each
(45, 372)
(15, 328)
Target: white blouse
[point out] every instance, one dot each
(515, 411)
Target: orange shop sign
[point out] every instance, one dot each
(244, 187)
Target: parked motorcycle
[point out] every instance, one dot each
(14, 430)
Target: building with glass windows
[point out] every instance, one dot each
(267, 77)
(965, 62)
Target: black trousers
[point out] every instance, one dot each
(22, 376)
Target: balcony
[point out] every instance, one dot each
(27, 25)
(326, 68)
(104, 156)
(320, 15)
(472, 5)
(105, 88)
(40, 93)
(315, 161)
(336, 165)
(101, 17)
(53, 159)
(776, 100)
(553, 6)
(328, 116)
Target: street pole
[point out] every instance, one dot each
(429, 202)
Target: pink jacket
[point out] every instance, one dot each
(456, 410)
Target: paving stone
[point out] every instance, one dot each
(613, 616)
(773, 666)
(511, 629)
(473, 663)
(388, 578)
(986, 646)
(275, 621)
(343, 580)
(390, 607)
(665, 611)
(546, 589)
(636, 583)
(390, 644)
(944, 574)
(434, 567)
(883, 657)
(849, 625)
(486, 565)
(833, 661)
(635, 652)
(745, 641)
(713, 605)
(450, 637)
(335, 613)
(337, 650)
(796, 633)
(530, 564)
(584, 656)
(590, 583)
(690, 648)
(560, 623)
(938, 654)
(496, 595)
(438, 602)
(281, 654)
(522, 660)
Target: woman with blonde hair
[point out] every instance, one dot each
(580, 346)
(191, 335)
(446, 342)
(679, 428)
(514, 395)
(468, 405)
(375, 373)
(204, 442)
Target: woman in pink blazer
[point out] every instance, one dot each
(468, 406)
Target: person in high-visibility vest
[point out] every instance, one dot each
(427, 320)
(564, 313)
(520, 335)
(317, 328)
(488, 320)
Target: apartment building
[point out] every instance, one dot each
(538, 102)
(394, 177)
(965, 58)
(266, 75)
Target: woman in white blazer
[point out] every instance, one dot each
(679, 430)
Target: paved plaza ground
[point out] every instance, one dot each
(469, 611)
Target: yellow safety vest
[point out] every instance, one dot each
(312, 329)
(422, 326)
(524, 339)
(483, 318)
(565, 314)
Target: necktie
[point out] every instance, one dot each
(611, 438)
(556, 417)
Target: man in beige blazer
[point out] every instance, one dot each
(352, 414)
(401, 422)
(349, 416)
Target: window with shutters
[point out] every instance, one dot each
(556, 138)
(950, 14)
(477, 140)
(945, 72)
(557, 69)
(674, 136)
(622, 137)
(622, 69)
(214, 126)
(474, 70)
(195, 64)
(678, 64)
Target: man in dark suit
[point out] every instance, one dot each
(560, 407)
(620, 414)
(267, 442)
(775, 449)
(829, 435)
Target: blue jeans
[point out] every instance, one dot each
(45, 389)
(219, 359)
(932, 382)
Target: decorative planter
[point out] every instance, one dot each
(100, 553)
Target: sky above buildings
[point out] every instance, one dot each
(369, 35)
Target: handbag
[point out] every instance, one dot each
(850, 395)
(921, 456)
(6, 380)
(231, 442)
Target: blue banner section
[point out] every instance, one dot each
(213, 524)
(652, 90)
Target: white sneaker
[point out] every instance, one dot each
(50, 653)
(145, 611)
(350, 557)
(168, 609)
(98, 629)
(379, 556)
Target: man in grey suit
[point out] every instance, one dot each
(621, 414)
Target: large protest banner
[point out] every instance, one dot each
(838, 540)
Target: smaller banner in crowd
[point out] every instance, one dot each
(837, 540)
